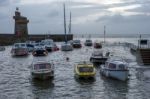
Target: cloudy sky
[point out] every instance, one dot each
(88, 16)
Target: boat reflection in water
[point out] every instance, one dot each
(45, 86)
(85, 81)
(114, 88)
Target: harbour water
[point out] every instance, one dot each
(16, 81)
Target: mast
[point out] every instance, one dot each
(104, 33)
(69, 32)
(65, 24)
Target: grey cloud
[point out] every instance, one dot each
(3, 16)
(53, 13)
(4, 2)
(144, 8)
(118, 18)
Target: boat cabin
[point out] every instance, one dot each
(41, 65)
(20, 45)
(116, 65)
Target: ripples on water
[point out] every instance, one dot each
(16, 82)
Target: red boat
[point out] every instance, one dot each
(55, 48)
(97, 45)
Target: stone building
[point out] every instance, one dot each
(21, 32)
(21, 28)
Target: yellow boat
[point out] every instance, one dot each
(85, 70)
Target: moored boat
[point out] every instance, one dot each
(66, 47)
(84, 70)
(30, 45)
(77, 44)
(88, 42)
(42, 70)
(39, 51)
(2, 48)
(55, 47)
(115, 67)
(98, 57)
(48, 44)
(97, 45)
(19, 49)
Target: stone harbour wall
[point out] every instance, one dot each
(9, 39)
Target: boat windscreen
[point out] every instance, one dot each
(122, 66)
(112, 66)
(16, 45)
(98, 54)
(30, 45)
(76, 41)
(88, 41)
(85, 69)
(23, 44)
(42, 66)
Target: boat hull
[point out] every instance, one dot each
(66, 48)
(85, 76)
(76, 45)
(117, 74)
(88, 44)
(42, 76)
(40, 53)
(100, 60)
(2, 48)
(19, 52)
(49, 49)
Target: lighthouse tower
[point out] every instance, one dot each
(21, 29)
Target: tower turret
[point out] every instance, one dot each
(21, 29)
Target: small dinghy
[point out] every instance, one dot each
(115, 67)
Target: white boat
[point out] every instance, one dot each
(19, 49)
(88, 42)
(77, 44)
(115, 67)
(2, 48)
(48, 44)
(42, 70)
(98, 57)
(66, 46)
(39, 51)
(30, 45)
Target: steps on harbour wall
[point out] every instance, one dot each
(145, 56)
